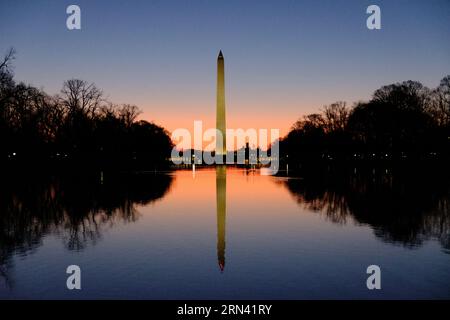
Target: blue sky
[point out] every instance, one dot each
(283, 58)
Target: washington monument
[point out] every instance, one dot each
(220, 109)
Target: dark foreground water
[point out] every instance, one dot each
(225, 234)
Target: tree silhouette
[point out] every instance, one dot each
(402, 121)
(76, 205)
(441, 103)
(77, 127)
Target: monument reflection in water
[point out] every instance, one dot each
(163, 236)
(221, 204)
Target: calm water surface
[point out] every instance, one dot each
(224, 234)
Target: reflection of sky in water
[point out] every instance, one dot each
(276, 247)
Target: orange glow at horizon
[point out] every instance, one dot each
(268, 118)
(232, 123)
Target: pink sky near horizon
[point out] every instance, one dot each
(265, 119)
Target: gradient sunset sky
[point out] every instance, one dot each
(283, 59)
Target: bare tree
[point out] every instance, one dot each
(6, 74)
(108, 110)
(440, 104)
(335, 116)
(81, 97)
(407, 95)
(5, 63)
(308, 122)
(128, 114)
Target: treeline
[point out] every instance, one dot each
(78, 125)
(401, 121)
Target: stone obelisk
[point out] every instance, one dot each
(220, 110)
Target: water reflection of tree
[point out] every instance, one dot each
(404, 207)
(77, 207)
